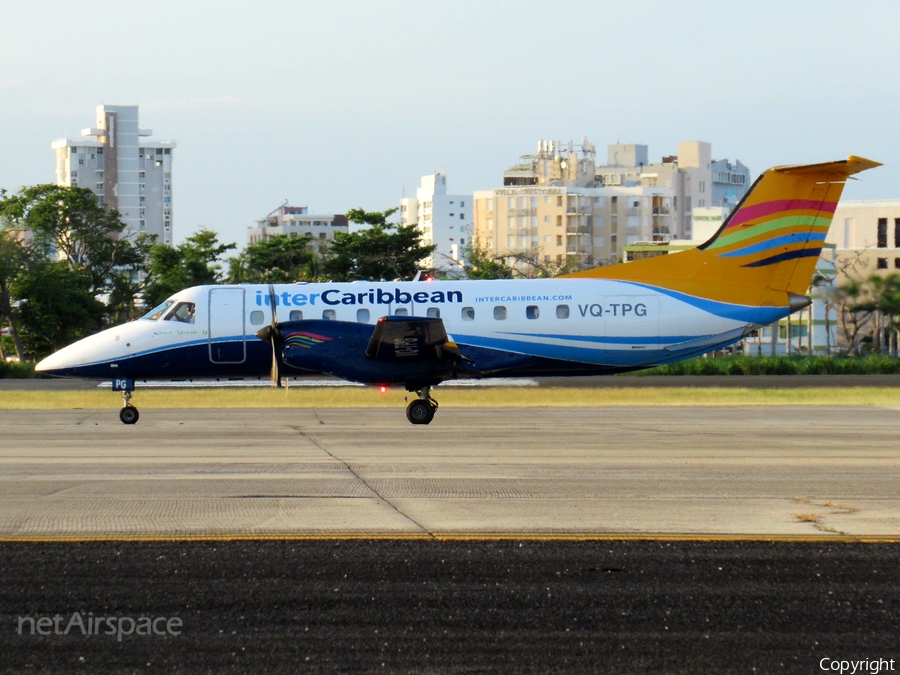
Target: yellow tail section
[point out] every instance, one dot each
(766, 250)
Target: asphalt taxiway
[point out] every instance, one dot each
(749, 471)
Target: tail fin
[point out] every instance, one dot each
(767, 248)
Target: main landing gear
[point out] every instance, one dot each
(421, 410)
(128, 414)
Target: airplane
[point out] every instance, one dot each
(755, 270)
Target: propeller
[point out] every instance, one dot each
(271, 334)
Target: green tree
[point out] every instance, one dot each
(535, 265)
(70, 223)
(125, 282)
(482, 263)
(57, 305)
(13, 257)
(277, 260)
(886, 290)
(194, 262)
(857, 309)
(383, 251)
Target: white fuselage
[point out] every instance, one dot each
(594, 322)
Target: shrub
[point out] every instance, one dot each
(19, 371)
(873, 364)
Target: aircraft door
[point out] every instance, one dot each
(227, 334)
(631, 322)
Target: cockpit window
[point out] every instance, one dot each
(155, 313)
(183, 311)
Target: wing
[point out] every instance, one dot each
(414, 351)
(409, 339)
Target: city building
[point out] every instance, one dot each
(697, 181)
(128, 172)
(444, 220)
(553, 209)
(297, 221)
(867, 237)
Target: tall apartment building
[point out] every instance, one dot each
(128, 173)
(444, 220)
(553, 206)
(297, 221)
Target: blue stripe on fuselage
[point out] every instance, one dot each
(749, 314)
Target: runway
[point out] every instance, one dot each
(750, 472)
(527, 540)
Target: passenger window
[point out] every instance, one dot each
(562, 311)
(401, 311)
(362, 315)
(532, 312)
(500, 313)
(329, 314)
(468, 313)
(296, 314)
(433, 313)
(257, 317)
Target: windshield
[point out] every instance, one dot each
(183, 311)
(158, 311)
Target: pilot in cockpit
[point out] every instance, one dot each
(183, 312)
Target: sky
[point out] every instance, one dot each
(338, 105)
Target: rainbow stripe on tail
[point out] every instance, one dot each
(774, 232)
(765, 253)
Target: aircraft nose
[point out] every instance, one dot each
(86, 358)
(56, 364)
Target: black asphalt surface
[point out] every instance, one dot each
(455, 607)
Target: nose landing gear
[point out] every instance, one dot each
(421, 410)
(128, 414)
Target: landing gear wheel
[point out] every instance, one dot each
(129, 414)
(420, 411)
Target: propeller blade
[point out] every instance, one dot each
(271, 334)
(275, 375)
(273, 303)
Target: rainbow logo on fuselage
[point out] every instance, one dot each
(305, 340)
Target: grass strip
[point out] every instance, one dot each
(453, 398)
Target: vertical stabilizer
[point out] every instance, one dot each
(766, 250)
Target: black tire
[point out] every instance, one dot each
(129, 415)
(420, 411)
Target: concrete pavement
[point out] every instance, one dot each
(789, 471)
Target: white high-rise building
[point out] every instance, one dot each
(128, 172)
(444, 220)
